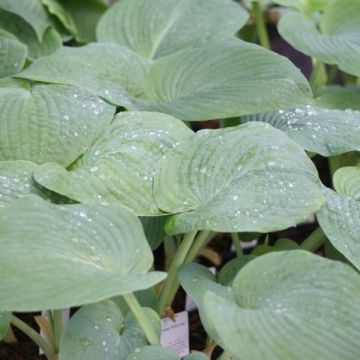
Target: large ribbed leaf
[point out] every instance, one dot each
(85, 14)
(227, 79)
(230, 78)
(24, 33)
(197, 280)
(101, 331)
(246, 178)
(303, 5)
(347, 181)
(337, 42)
(31, 11)
(62, 256)
(12, 56)
(108, 70)
(339, 97)
(16, 180)
(119, 167)
(340, 220)
(57, 9)
(300, 305)
(324, 131)
(49, 123)
(154, 28)
(154, 229)
(153, 353)
(5, 318)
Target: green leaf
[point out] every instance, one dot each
(31, 11)
(340, 220)
(57, 9)
(305, 6)
(339, 97)
(5, 319)
(169, 25)
(49, 123)
(70, 255)
(16, 181)
(107, 70)
(323, 131)
(153, 353)
(101, 331)
(85, 14)
(347, 181)
(245, 178)
(119, 167)
(25, 34)
(227, 79)
(230, 78)
(154, 229)
(12, 56)
(289, 306)
(231, 268)
(197, 280)
(337, 42)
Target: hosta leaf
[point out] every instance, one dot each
(315, 301)
(12, 56)
(49, 123)
(323, 131)
(230, 78)
(153, 353)
(303, 5)
(169, 25)
(340, 220)
(339, 97)
(85, 14)
(31, 11)
(119, 167)
(196, 355)
(231, 268)
(337, 43)
(245, 178)
(25, 34)
(347, 181)
(57, 9)
(197, 280)
(69, 255)
(16, 180)
(154, 229)
(5, 318)
(101, 331)
(108, 70)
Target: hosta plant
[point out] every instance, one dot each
(100, 165)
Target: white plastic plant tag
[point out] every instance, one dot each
(175, 333)
(190, 304)
(65, 319)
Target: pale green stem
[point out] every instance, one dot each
(201, 241)
(236, 241)
(318, 75)
(169, 250)
(142, 319)
(34, 336)
(203, 238)
(260, 25)
(57, 327)
(314, 241)
(171, 281)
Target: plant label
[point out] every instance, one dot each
(175, 333)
